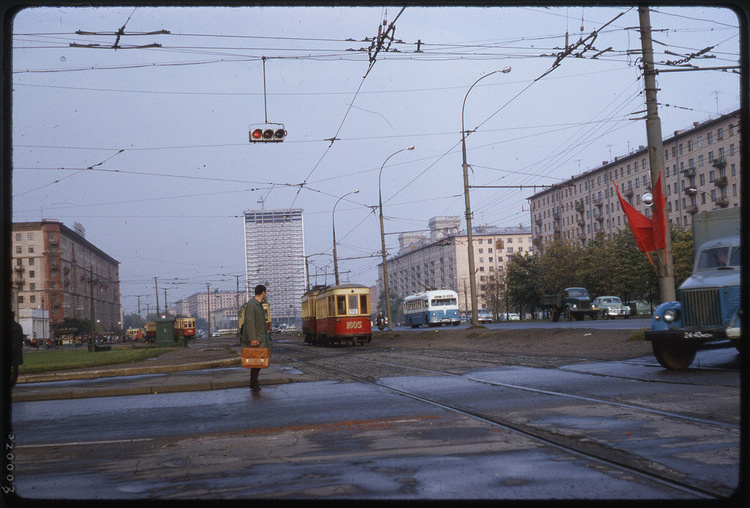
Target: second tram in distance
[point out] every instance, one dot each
(336, 314)
(432, 308)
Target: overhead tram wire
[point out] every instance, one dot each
(561, 56)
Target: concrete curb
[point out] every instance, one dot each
(65, 394)
(126, 371)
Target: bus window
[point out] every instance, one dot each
(353, 309)
(341, 305)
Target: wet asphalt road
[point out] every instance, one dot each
(337, 439)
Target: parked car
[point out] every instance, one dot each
(610, 307)
(511, 316)
(484, 316)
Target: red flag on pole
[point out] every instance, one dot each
(650, 234)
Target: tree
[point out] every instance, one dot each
(397, 307)
(495, 294)
(522, 279)
(133, 321)
(683, 254)
(558, 266)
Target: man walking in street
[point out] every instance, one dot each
(254, 333)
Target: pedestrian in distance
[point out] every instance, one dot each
(254, 333)
(17, 349)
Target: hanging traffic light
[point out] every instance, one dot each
(267, 134)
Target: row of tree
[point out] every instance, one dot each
(611, 266)
(606, 266)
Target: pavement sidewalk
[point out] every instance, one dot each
(194, 368)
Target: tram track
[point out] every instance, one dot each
(590, 449)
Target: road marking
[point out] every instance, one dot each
(81, 443)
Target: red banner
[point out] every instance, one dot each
(650, 234)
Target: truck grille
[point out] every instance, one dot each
(701, 308)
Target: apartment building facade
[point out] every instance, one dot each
(441, 260)
(56, 269)
(701, 172)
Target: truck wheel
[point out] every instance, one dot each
(568, 315)
(554, 316)
(673, 355)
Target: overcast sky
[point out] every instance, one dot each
(147, 147)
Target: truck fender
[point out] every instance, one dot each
(658, 322)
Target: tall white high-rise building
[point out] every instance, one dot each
(275, 257)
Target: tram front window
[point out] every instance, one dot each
(353, 309)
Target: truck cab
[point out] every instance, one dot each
(708, 309)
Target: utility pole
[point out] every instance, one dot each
(156, 286)
(92, 346)
(664, 267)
(208, 306)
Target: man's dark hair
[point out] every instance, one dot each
(259, 289)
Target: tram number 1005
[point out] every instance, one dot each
(354, 325)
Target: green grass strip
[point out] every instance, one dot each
(64, 359)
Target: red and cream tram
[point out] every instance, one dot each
(336, 314)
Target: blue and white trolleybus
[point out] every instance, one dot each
(432, 308)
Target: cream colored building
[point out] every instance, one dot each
(441, 260)
(701, 172)
(56, 269)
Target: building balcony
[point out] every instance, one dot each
(720, 163)
(600, 218)
(629, 193)
(598, 201)
(579, 206)
(722, 202)
(720, 181)
(581, 222)
(689, 172)
(581, 235)
(693, 210)
(556, 216)
(538, 221)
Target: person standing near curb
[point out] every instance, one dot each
(254, 333)
(17, 349)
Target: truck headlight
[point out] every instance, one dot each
(671, 315)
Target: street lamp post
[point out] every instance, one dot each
(333, 222)
(382, 244)
(469, 236)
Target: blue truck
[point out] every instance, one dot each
(708, 310)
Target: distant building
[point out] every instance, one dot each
(275, 257)
(56, 269)
(701, 172)
(441, 260)
(222, 304)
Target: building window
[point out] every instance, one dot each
(18, 237)
(32, 273)
(32, 286)
(720, 133)
(710, 137)
(20, 299)
(700, 141)
(19, 249)
(30, 236)
(31, 249)
(32, 299)
(690, 145)
(31, 261)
